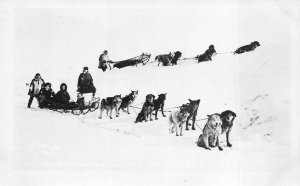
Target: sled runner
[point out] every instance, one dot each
(143, 58)
(73, 107)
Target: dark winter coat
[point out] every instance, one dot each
(62, 96)
(85, 83)
(48, 94)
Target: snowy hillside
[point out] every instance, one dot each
(43, 147)
(54, 141)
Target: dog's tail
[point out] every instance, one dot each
(156, 57)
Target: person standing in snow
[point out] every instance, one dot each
(34, 88)
(104, 61)
(207, 54)
(85, 82)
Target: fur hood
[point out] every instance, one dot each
(63, 84)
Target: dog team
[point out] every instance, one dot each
(172, 58)
(216, 125)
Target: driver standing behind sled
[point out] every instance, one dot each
(104, 61)
(85, 82)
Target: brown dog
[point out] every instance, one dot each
(109, 104)
(146, 109)
(227, 119)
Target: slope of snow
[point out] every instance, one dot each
(53, 141)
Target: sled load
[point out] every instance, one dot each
(76, 108)
(247, 48)
(143, 58)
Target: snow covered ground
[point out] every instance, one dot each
(42, 147)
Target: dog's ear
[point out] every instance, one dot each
(198, 101)
(165, 94)
(223, 115)
(234, 114)
(190, 100)
(208, 116)
(137, 92)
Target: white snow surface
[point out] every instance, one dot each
(43, 147)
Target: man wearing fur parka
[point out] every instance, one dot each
(34, 88)
(62, 96)
(85, 82)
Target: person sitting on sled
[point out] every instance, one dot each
(80, 99)
(104, 61)
(46, 95)
(207, 54)
(34, 88)
(62, 96)
(85, 82)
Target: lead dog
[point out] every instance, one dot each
(247, 48)
(128, 100)
(211, 132)
(109, 104)
(177, 119)
(146, 109)
(227, 119)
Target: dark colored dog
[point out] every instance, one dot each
(164, 59)
(206, 56)
(159, 103)
(146, 109)
(227, 119)
(128, 100)
(177, 55)
(247, 48)
(109, 104)
(192, 110)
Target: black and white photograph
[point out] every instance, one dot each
(154, 93)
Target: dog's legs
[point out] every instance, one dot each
(117, 113)
(171, 127)
(162, 111)
(227, 138)
(156, 114)
(181, 126)
(176, 128)
(205, 140)
(101, 110)
(145, 115)
(128, 109)
(107, 111)
(194, 119)
(110, 112)
(218, 144)
(150, 113)
(187, 122)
